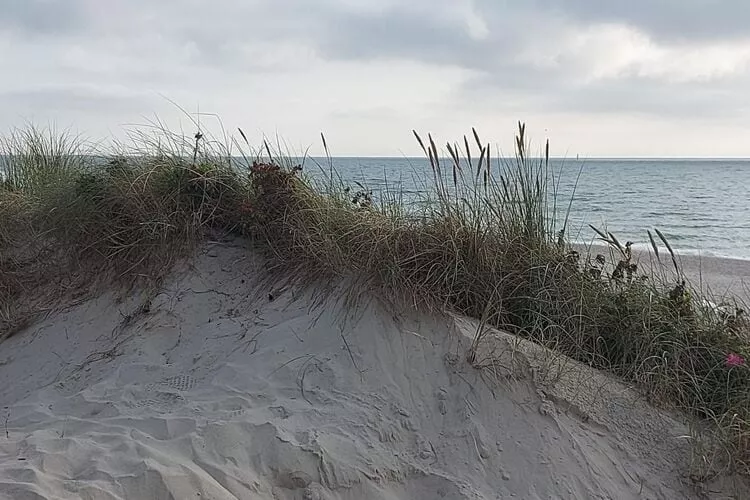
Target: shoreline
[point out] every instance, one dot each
(644, 247)
(718, 276)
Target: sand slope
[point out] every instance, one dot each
(207, 392)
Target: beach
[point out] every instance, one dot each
(717, 277)
(721, 277)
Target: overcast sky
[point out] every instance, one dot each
(598, 77)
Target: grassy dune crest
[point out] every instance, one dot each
(488, 240)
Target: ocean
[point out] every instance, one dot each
(701, 206)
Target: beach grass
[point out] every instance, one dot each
(487, 240)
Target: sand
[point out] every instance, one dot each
(208, 391)
(719, 277)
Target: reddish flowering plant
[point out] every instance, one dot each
(733, 360)
(261, 168)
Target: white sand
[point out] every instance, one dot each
(213, 394)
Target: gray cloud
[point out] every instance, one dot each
(426, 36)
(397, 34)
(421, 34)
(40, 17)
(662, 19)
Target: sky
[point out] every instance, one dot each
(599, 78)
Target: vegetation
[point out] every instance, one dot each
(483, 243)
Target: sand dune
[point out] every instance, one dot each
(207, 391)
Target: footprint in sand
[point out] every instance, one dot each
(181, 382)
